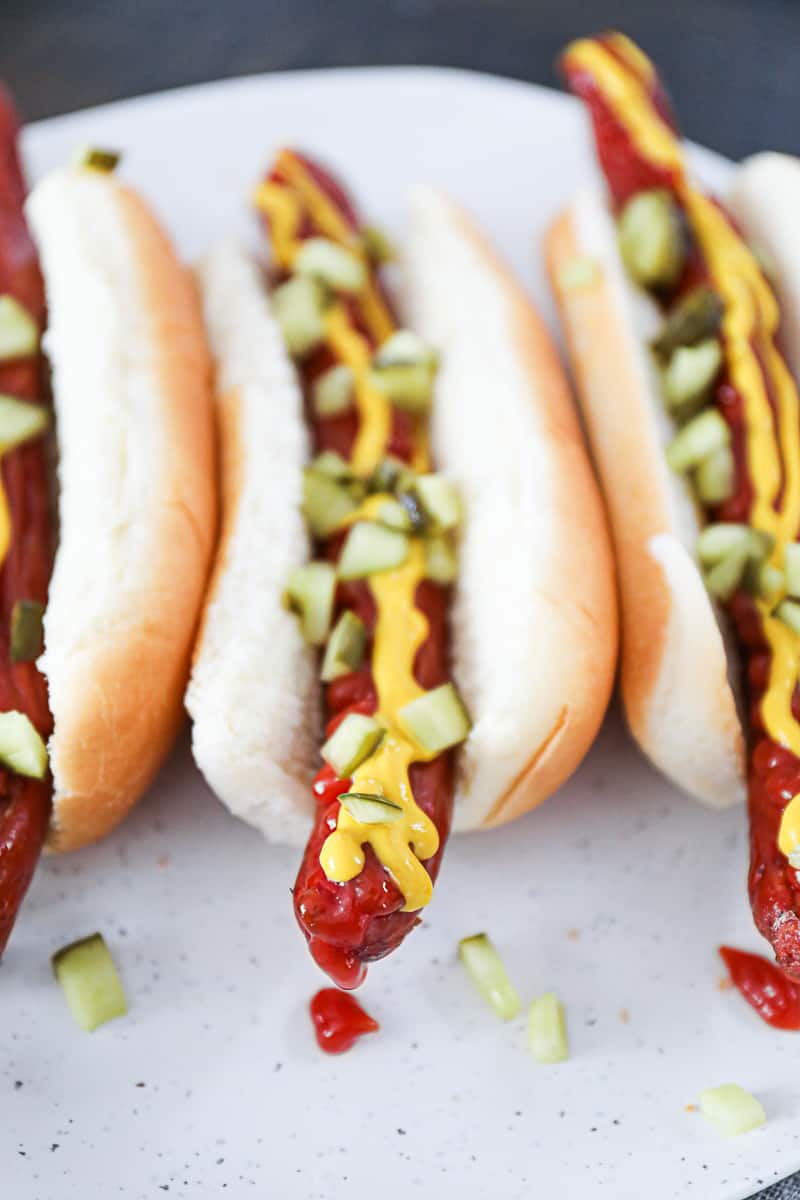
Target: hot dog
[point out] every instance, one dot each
(94, 638)
(679, 341)
(449, 698)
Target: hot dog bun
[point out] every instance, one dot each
(137, 497)
(676, 687)
(254, 694)
(534, 623)
(765, 199)
(534, 618)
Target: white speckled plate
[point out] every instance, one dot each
(616, 893)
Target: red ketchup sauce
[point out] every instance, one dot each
(25, 572)
(339, 1020)
(774, 996)
(774, 772)
(348, 925)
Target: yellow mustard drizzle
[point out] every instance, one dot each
(751, 318)
(5, 520)
(400, 627)
(284, 205)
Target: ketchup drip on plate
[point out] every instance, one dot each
(339, 1020)
(774, 996)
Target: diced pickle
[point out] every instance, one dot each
(336, 266)
(345, 649)
(436, 720)
(403, 369)
(726, 575)
(547, 1029)
(94, 158)
(704, 434)
(395, 515)
(327, 503)
(720, 540)
(377, 244)
(332, 392)
(440, 502)
(351, 743)
(714, 477)
(697, 316)
(19, 333)
(309, 593)
(487, 971)
(690, 372)
(26, 630)
(441, 560)
(651, 239)
(299, 308)
(20, 421)
(765, 581)
(90, 983)
(788, 611)
(22, 747)
(369, 809)
(731, 1109)
(370, 548)
(791, 567)
(391, 475)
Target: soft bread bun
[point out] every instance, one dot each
(253, 696)
(676, 689)
(137, 496)
(766, 201)
(534, 616)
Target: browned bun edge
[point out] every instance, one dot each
(675, 683)
(534, 615)
(139, 495)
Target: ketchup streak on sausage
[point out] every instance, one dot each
(350, 924)
(24, 575)
(774, 771)
(339, 1020)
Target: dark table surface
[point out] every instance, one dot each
(731, 65)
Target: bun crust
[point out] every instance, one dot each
(534, 615)
(679, 700)
(137, 504)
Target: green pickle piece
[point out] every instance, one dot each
(436, 720)
(345, 649)
(19, 333)
(351, 743)
(696, 317)
(486, 970)
(22, 748)
(327, 502)
(699, 438)
(20, 421)
(339, 268)
(441, 560)
(333, 391)
(690, 373)
(370, 809)
(309, 593)
(651, 239)
(370, 548)
(714, 476)
(299, 308)
(26, 630)
(547, 1029)
(90, 982)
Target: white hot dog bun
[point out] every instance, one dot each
(254, 694)
(679, 699)
(534, 620)
(137, 495)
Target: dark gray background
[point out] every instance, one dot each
(732, 66)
